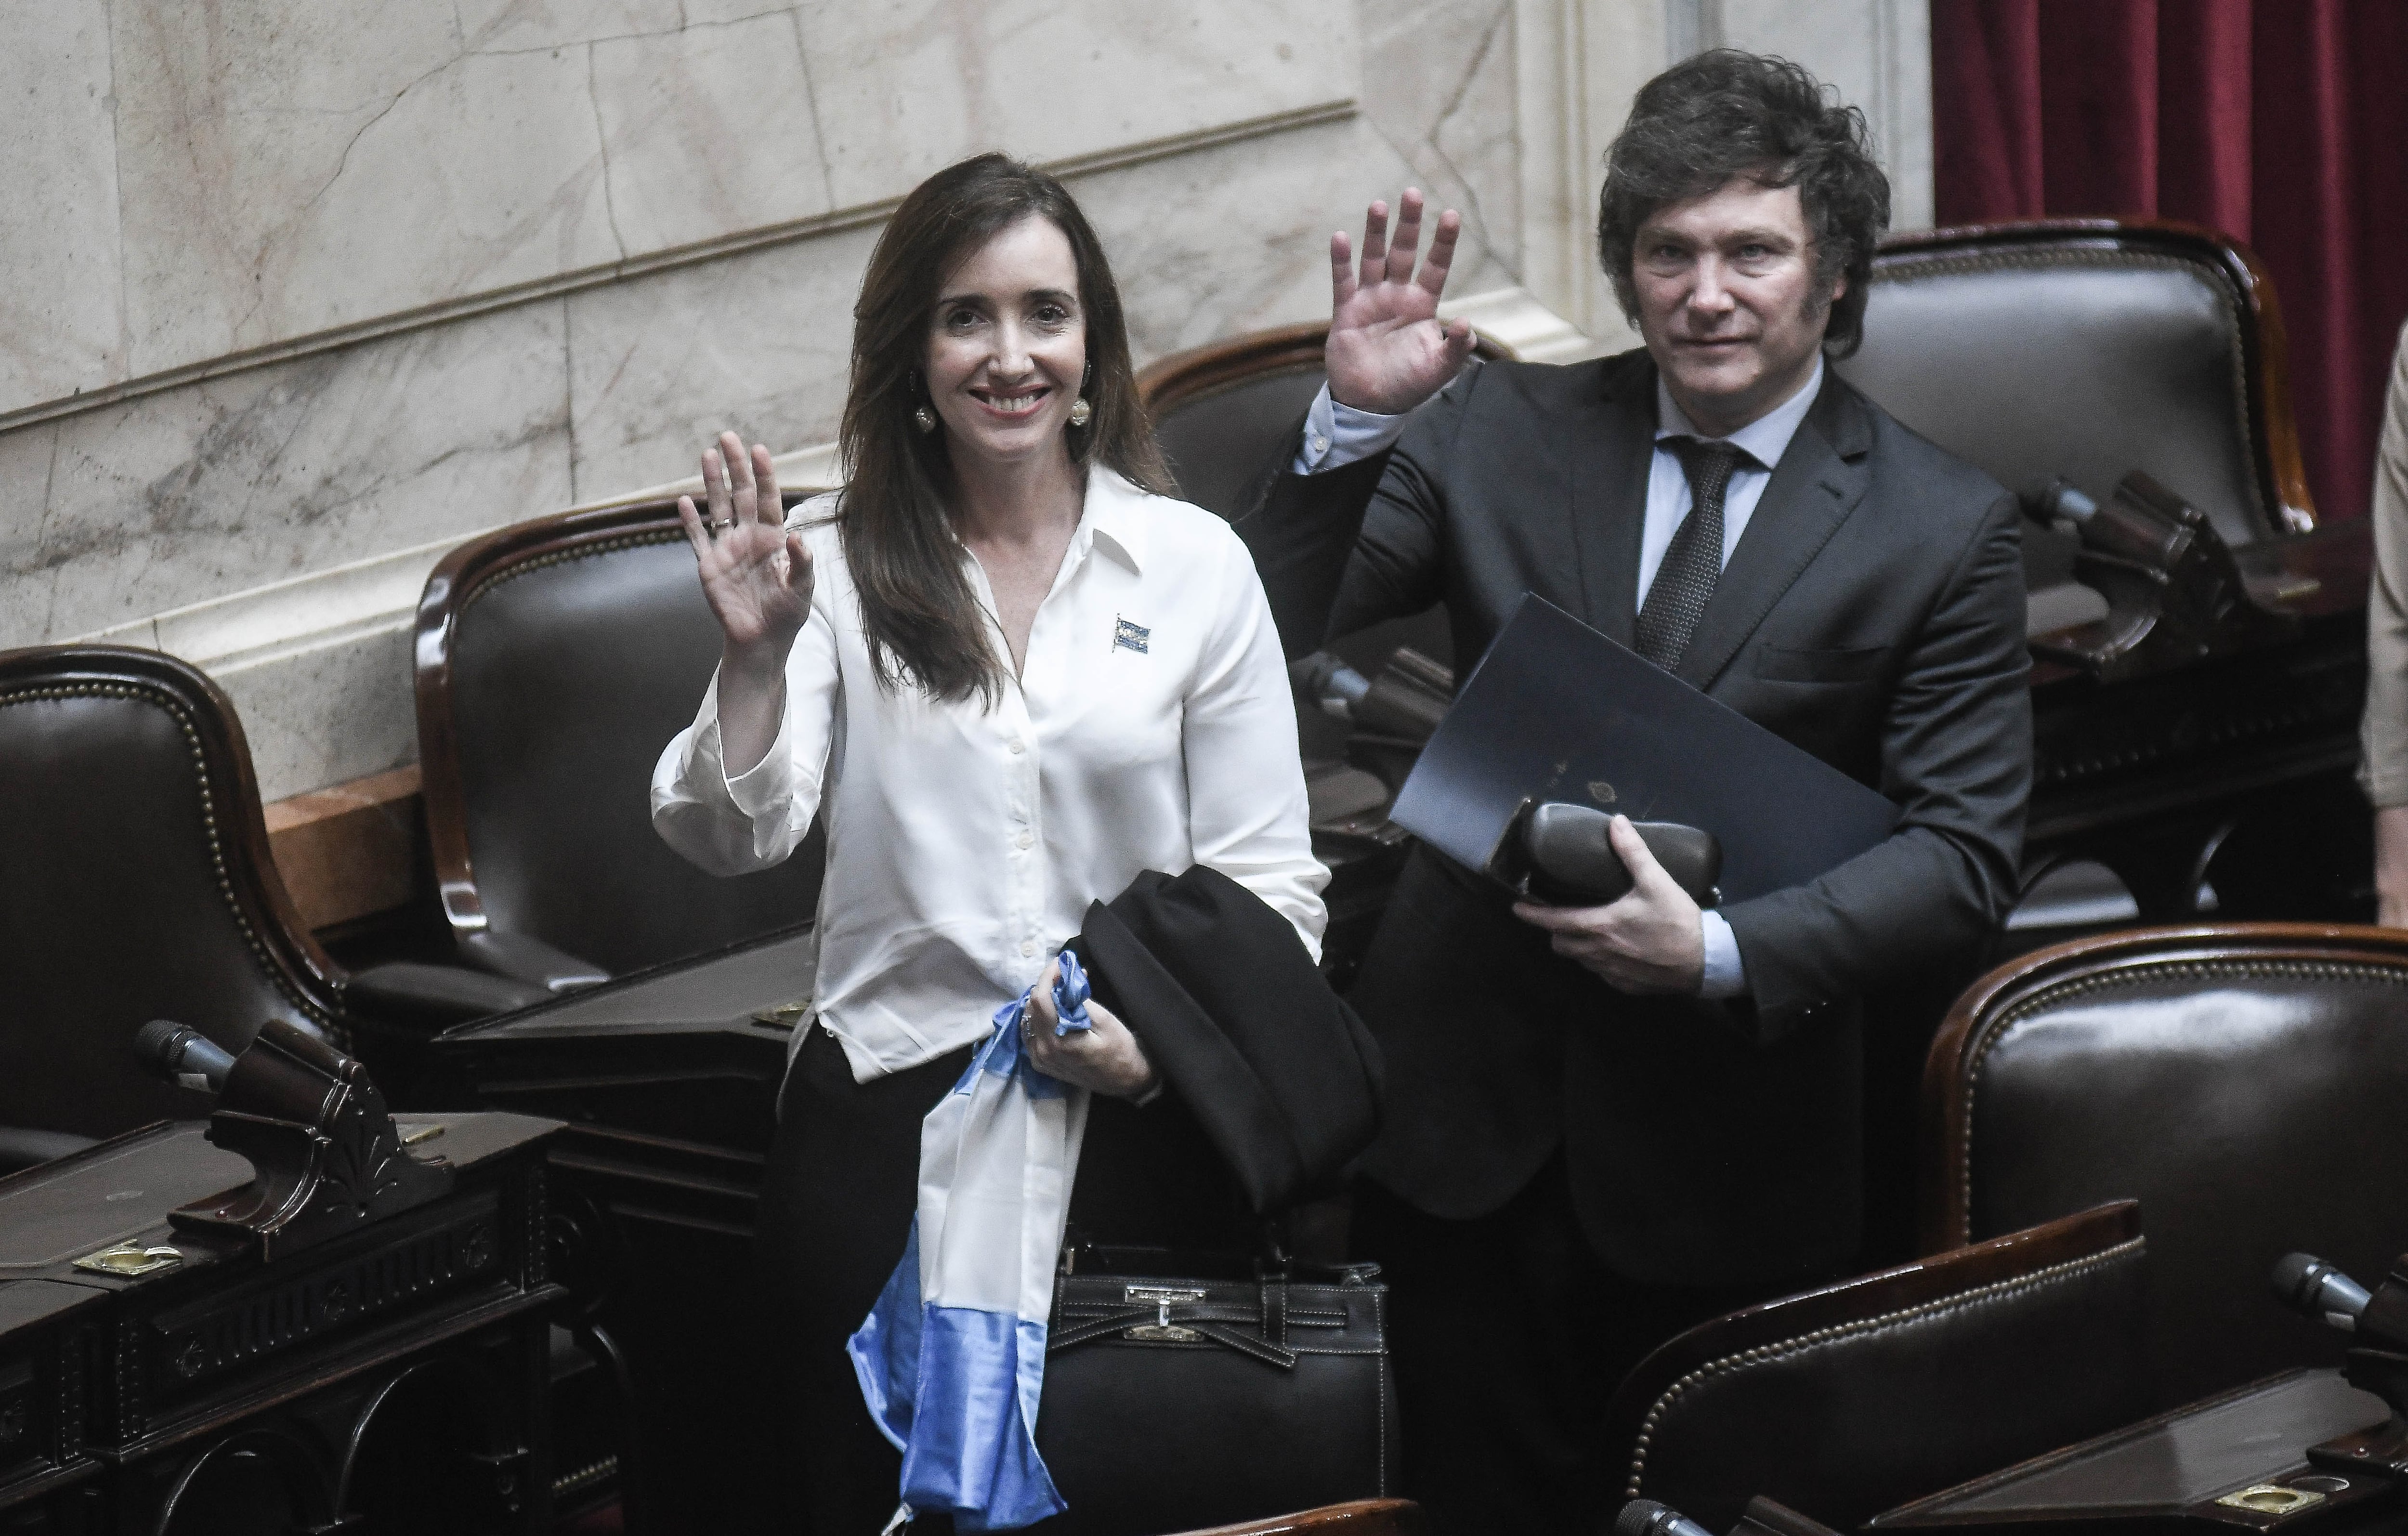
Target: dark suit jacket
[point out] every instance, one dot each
(1873, 615)
(1276, 1068)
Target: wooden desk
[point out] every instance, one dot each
(396, 1375)
(2181, 1471)
(43, 1394)
(669, 1083)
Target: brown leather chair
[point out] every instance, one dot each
(2087, 348)
(555, 659)
(1220, 410)
(139, 886)
(1845, 1401)
(2244, 1081)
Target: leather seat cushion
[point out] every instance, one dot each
(2251, 1108)
(1219, 445)
(113, 912)
(1846, 1422)
(2072, 361)
(567, 680)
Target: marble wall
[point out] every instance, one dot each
(300, 291)
(277, 169)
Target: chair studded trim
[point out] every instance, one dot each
(181, 714)
(1784, 1349)
(2132, 974)
(1910, 266)
(503, 574)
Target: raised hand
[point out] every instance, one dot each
(757, 578)
(756, 575)
(1388, 350)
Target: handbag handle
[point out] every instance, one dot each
(1271, 1257)
(1083, 1255)
(1168, 1322)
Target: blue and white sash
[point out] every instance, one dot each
(952, 1358)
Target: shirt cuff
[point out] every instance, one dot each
(1726, 973)
(766, 787)
(1335, 436)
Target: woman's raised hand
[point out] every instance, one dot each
(1388, 350)
(757, 576)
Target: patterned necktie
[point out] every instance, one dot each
(1694, 560)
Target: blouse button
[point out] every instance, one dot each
(1028, 947)
(1018, 746)
(1025, 839)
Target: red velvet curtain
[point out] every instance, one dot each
(2281, 123)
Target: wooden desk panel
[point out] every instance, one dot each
(2168, 1473)
(669, 1083)
(426, 1330)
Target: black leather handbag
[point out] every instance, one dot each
(1184, 1391)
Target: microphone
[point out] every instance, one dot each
(2060, 501)
(1334, 687)
(1646, 1517)
(183, 1054)
(2307, 1284)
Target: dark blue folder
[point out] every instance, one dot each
(1557, 711)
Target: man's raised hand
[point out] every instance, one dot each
(757, 576)
(1389, 352)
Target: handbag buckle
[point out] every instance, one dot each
(1162, 1330)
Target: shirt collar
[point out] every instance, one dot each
(1114, 517)
(1766, 439)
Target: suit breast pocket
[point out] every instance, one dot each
(1794, 664)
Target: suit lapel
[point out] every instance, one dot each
(1609, 501)
(1818, 482)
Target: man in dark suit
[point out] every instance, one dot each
(1606, 1123)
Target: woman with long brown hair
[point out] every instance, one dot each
(1008, 673)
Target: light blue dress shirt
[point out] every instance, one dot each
(1336, 435)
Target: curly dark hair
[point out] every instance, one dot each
(1726, 114)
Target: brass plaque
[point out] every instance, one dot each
(130, 1259)
(2271, 1498)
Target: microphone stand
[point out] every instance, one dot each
(2378, 1365)
(2174, 592)
(324, 1156)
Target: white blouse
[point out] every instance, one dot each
(1152, 727)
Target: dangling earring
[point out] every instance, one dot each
(1081, 412)
(926, 420)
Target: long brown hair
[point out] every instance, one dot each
(923, 622)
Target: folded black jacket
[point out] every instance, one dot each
(1237, 1018)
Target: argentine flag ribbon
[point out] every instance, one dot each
(952, 1356)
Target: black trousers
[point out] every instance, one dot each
(1509, 1335)
(837, 1200)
